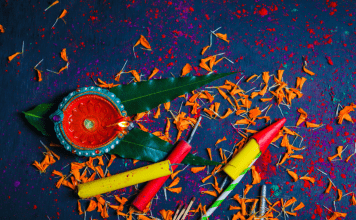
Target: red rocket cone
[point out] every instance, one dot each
(265, 137)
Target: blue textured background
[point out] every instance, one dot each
(99, 36)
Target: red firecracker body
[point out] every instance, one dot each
(152, 187)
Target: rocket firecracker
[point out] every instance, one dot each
(246, 157)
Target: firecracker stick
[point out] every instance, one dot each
(263, 201)
(177, 212)
(188, 209)
(226, 192)
(244, 160)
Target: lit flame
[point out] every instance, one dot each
(124, 124)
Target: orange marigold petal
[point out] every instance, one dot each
(255, 175)
(64, 12)
(154, 72)
(222, 36)
(339, 192)
(297, 157)
(312, 125)
(112, 158)
(63, 68)
(327, 191)
(39, 75)
(37, 165)
(204, 49)
(135, 74)
(353, 200)
(293, 175)
(144, 42)
(253, 113)
(175, 190)
(280, 74)
(349, 157)
(92, 206)
(13, 56)
(60, 182)
(265, 77)
(104, 213)
(166, 215)
(206, 178)
(142, 217)
(290, 202)
(173, 175)
(158, 112)
(55, 172)
(251, 77)
(80, 209)
(298, 207)
(197, 169)
(64, 54)
(100, 171)
(174, 182)
(229, 112)
(220, 140)
(234, 207)
(204, 66)
(248, 187)
(308, 71)
(337, 215)
(209, 192)
(310, 179)
(209, 153)
(186, 69)
(142, 127)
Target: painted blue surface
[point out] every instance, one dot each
(99, 36)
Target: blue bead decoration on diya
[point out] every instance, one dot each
(90, 121)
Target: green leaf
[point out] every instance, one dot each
(141, 145)
(38, 117)
(198, 161)
(144, 96)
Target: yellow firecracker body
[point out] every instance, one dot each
(243, 159)
(125, 179)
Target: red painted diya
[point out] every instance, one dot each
(90, 121)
